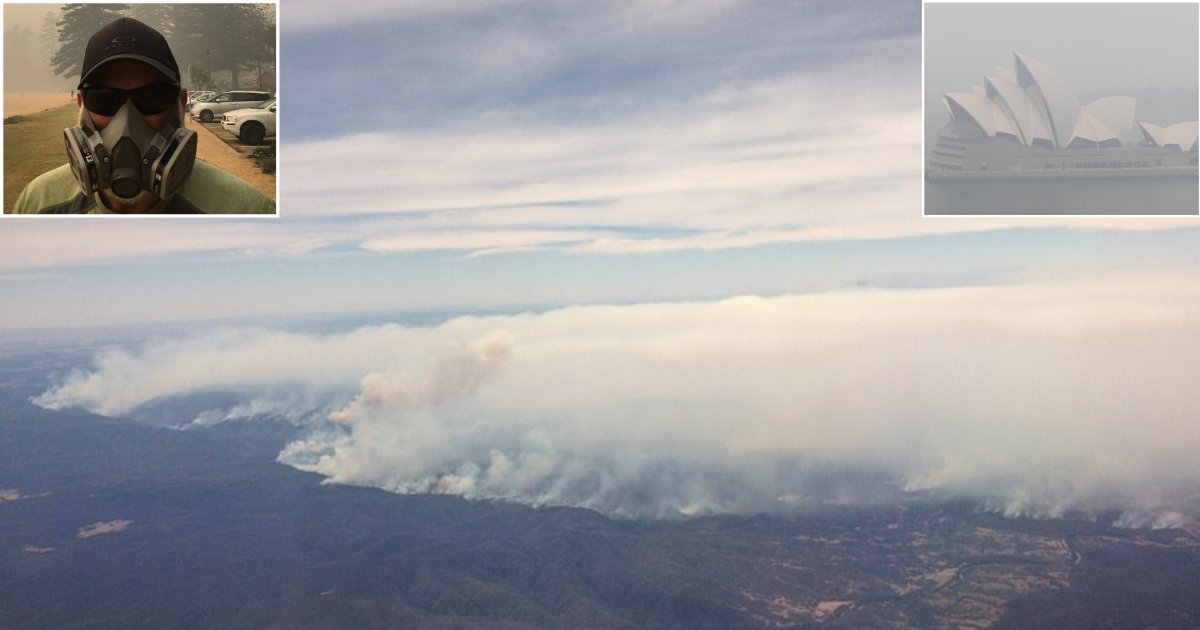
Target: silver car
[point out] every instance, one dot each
(200, 95)
(206, 111)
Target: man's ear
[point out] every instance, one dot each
(79, 99)
(183, 97)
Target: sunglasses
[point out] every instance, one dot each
(149, 99)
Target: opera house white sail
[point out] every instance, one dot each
(1026, 123)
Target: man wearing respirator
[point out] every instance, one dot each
(131, 153)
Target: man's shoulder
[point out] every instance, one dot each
(53, 192)
(212, 190)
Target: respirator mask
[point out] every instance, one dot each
(128, 155)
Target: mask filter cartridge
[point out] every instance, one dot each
(128, 156)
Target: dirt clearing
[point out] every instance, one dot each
(23, 103)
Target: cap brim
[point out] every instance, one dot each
(167, 72)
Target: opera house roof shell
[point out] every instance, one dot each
(1034, 107)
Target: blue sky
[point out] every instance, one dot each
(500, 152)
(222, 284)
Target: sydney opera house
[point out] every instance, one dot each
(1027, 124)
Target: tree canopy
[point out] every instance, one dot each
(79, 22)
(205, 38)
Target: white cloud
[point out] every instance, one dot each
(712, 125)
(48, 242)
(1033, 399)
(307, 15)
(829, 156)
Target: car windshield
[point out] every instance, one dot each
(266, 104)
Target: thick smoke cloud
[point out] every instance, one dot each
(1032, 399)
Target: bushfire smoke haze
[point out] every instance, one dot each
(702, 221)
(1035, 400)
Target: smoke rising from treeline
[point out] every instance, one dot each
(1030, 399)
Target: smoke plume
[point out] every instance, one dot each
(1035, 400)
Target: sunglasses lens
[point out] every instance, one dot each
(154, 99)
(151, 99)
(103, 101)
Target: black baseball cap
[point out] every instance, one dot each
(127, 38)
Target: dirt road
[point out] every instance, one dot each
(213, 150)
(32, 102)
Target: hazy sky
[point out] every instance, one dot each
(499, 152)
(33, 72)
(1093, 46)
(22, 15)
(29, 14)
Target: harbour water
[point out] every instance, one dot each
(1152, 196)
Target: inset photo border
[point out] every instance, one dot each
(141, 109)
(1060, 109)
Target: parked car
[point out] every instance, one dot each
(254, 124)
(206, 111)
(199, 96)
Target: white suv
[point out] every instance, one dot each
(252, 125)
(206, 111)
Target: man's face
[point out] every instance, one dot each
(127, 74)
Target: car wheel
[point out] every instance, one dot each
(206, 116)
(253, 133)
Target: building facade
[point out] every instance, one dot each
(1026, 123)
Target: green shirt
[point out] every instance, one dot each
(208, 190)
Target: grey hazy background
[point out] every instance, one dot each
(30, 38)
(1097, 49)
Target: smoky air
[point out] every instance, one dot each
(746, 405)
